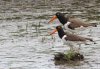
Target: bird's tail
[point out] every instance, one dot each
(94, 24)
(89, 39)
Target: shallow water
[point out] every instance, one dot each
(25, 42)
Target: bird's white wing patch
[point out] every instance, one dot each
(68, 29)
(66, 25)
(63, 39)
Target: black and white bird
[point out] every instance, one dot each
(70, 22)
(67, 37)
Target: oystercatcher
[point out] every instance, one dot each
(70, 23)
(70, 38)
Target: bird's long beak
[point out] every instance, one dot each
(55, 30)
(52, 19)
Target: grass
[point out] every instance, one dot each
(69, 56)
(7, 0)
(40, 17)
(13, 18)
(34, 25)
(22, 30)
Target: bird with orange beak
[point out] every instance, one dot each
(70, 23)
(69, 38)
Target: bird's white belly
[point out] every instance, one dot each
(68, 29)
(66, 25)
(63, 39)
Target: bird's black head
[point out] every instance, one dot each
(61, 32)
(61, 17)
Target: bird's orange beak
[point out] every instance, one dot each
(55, 30)
(53, 18)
